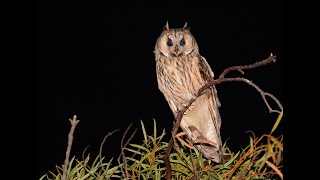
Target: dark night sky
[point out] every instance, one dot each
(97, 62)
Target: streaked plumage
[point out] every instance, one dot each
(181, 72)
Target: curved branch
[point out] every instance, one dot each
(262, 93)
(270, 59)
(125, 172)
(101, 145)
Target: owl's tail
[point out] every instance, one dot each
(202, 124)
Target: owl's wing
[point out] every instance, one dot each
(205, 68)
(207, 74)
(206, 108)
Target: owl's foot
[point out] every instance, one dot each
(182, 141)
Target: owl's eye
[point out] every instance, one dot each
(169, 43)
(182, 42)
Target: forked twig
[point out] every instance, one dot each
(74, 123)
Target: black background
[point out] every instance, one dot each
(96, 61)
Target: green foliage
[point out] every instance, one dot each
(261, 159)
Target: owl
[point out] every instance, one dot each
(181, 72)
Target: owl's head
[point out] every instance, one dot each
(176, 42)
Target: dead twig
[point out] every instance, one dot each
(122, 155)
(104, 139)
(270, 59)
(74, 123)
(84, 152)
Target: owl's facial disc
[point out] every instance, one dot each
(176, 43)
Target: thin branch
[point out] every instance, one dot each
(83, 158)
(262, 93)
(271, 58)
(104, 139)
(74, 123)
(253, 135)
(125, 173)
(84, 152)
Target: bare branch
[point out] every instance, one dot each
(74, 123)
(271, 58)
(122, 155)
(104, 139)
(84, 152)
(83, 158)
(253, 135)
(263, 94)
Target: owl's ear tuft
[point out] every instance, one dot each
(166, 27)
(186, 27)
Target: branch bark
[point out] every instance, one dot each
(74, 123)
(271, 58)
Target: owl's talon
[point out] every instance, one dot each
(181, 140)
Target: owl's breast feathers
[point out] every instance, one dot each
(180, 78)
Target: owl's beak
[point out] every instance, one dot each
(176, 50)
(175, 53)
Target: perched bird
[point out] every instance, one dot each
(181, 72)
